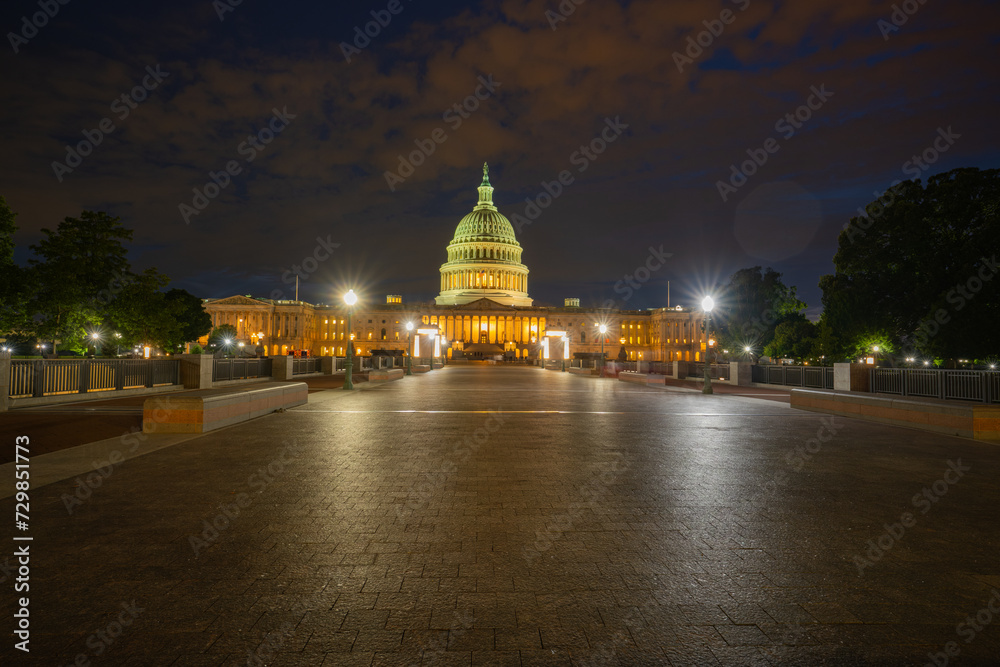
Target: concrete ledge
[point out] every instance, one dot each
(386, 375)
(967, 420)
(420, 368)
(200, 414)
(631, 376)
(583, 371)
(61, 399)
(656, 379)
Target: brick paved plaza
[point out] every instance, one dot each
(515, 516)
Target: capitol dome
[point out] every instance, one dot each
(484, 257)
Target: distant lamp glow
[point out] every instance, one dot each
(350, 298)
(927, 363)
(874, 348)
(746, 348)
(707, 304)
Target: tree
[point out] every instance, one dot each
(753, 303)
(140, 312)
(221, 334)
(918, 269)
(14, 320)
(793, 339)
(189, 312)
(76, 273)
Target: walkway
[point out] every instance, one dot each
(516, 516)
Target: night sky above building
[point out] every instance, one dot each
(644, 120)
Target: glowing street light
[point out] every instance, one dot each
(707, 304)
(350, 299)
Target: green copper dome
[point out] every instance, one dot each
(485, 223)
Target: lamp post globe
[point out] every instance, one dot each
(707, 304)
(350, 299)
(409, 348)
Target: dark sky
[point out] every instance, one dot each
(887, 93)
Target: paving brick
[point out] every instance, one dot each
(629, 526)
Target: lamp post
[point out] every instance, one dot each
(350, 299)
(565, 342)
(603, 329)
(707, 304)
(409, 348)
(96, 337)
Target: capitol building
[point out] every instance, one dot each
(483, 310)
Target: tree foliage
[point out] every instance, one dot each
(192, 319)
(918, 270)
(81, 282)
(139, 312)
(753, 304)
(220, 335)
(76, 270)
(795, 338)
(14, 319)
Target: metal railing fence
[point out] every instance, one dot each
(813, 377)
(51, 377)
(715, 371)
(240, 369)
(949, 384)
(306, 366)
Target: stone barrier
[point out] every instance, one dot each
(968, 420)
(386, 375)
(200, 414)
